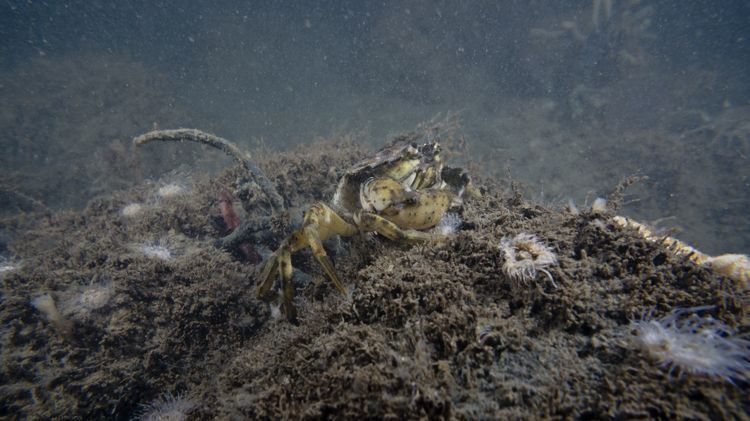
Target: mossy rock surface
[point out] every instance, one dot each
(431, 330)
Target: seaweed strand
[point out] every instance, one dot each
(228, 147)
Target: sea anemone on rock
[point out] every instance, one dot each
(525, 256)
(167, 407)
(694, 345)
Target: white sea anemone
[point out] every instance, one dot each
(167, 408)
(156, 251)
(7, 266)
(93, 297)
(524, 256)
(132, 209)
(171, 190)
(694, 345)
(275, 310)
(173, 185)
(572, 208)
(448, 225)
(166, 248)
(599, 205)
(6, 269)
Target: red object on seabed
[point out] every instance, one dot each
(232, 221)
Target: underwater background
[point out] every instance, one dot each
(141, 283)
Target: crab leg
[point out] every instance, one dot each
(370, 222)
(280, 263)
(287, 286)
(266, 275)
(322, 257)
(319, 224)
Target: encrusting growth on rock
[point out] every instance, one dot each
(733, 266)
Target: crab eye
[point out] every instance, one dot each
(430, 150)
(411, 151)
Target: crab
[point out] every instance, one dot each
(399, 193)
